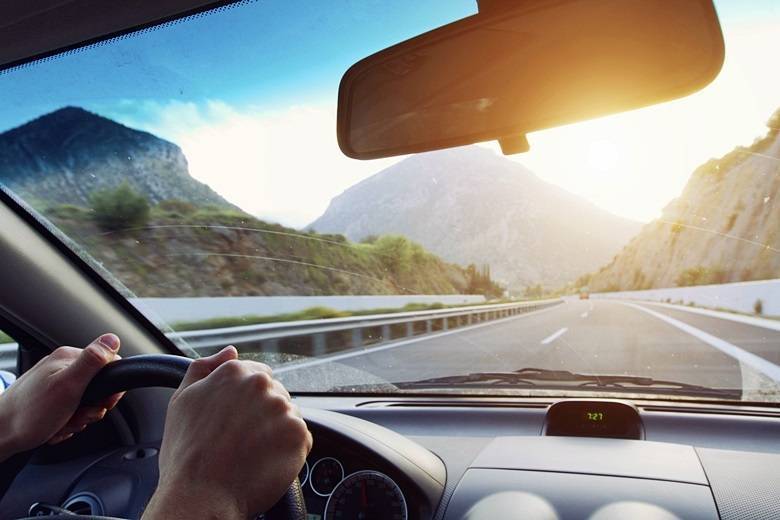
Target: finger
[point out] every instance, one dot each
(91, 359)
(111, 401)
(71, 429)
(86, 415)
(202, 367)
(280, 389)
(256, 366)
(59, 438)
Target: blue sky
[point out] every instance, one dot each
(265, 52)
(249, 93)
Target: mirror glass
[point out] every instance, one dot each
(500, 75)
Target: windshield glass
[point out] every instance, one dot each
(195, 166)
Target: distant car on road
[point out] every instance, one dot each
(584, 293)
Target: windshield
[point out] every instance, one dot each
(195, 166)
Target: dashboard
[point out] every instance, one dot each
(478, 459)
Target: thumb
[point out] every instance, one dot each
(202, 367)
(92, 358)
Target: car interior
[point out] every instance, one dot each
(590, 450)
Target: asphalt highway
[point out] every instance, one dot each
(590, 336)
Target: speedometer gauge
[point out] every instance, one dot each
(324, 476)
(366, 495)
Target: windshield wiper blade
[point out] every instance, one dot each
(563, 379)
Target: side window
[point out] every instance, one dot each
(8, 351)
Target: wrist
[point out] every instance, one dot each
(9, 445)
(183, 501)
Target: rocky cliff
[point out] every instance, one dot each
(724, 227)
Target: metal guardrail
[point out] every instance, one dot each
(323, 336)
(315, 337)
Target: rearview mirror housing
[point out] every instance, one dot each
(505, 72)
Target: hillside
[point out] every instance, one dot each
(469, 205)
(189, 251)
(724, 227)
(64, 156)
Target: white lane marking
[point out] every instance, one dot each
(739, 318)
(370, 350)
(743, 356)
(555, 335)
(584, 315)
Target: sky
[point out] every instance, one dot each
(249, 94)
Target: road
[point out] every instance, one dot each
(591, 336)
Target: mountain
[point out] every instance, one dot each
(469, 205)
(63, 156)
(724, 227)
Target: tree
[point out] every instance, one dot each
(480, 282)
(120, 208)
(534, 291)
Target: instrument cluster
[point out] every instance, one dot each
(335, 489)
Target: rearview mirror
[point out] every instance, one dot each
(503, 73)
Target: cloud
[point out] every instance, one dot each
(282, 165)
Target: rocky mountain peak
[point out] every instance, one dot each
(470, 205)
(65, 155)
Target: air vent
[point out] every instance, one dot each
(84, 504)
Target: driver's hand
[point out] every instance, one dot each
(233, 442)
(43, 404)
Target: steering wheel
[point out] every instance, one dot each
(167, 371)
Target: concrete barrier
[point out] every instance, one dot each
(171, 310)
(738, 297)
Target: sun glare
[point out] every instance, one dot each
(602, 156)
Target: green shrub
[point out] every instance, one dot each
(533, 291)
(68, 211)
(334, 237)
(177, 207)
(120, 208)
(395, 253)
(700, 275)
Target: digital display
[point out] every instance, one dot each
(595, 416)
(310, 516)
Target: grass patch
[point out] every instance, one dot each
(5, 338)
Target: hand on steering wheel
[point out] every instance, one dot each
(233, 440)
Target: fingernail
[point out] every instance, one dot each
(110, 341)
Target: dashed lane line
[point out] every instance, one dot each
(555, 335)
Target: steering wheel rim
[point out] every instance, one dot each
(161, 370)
